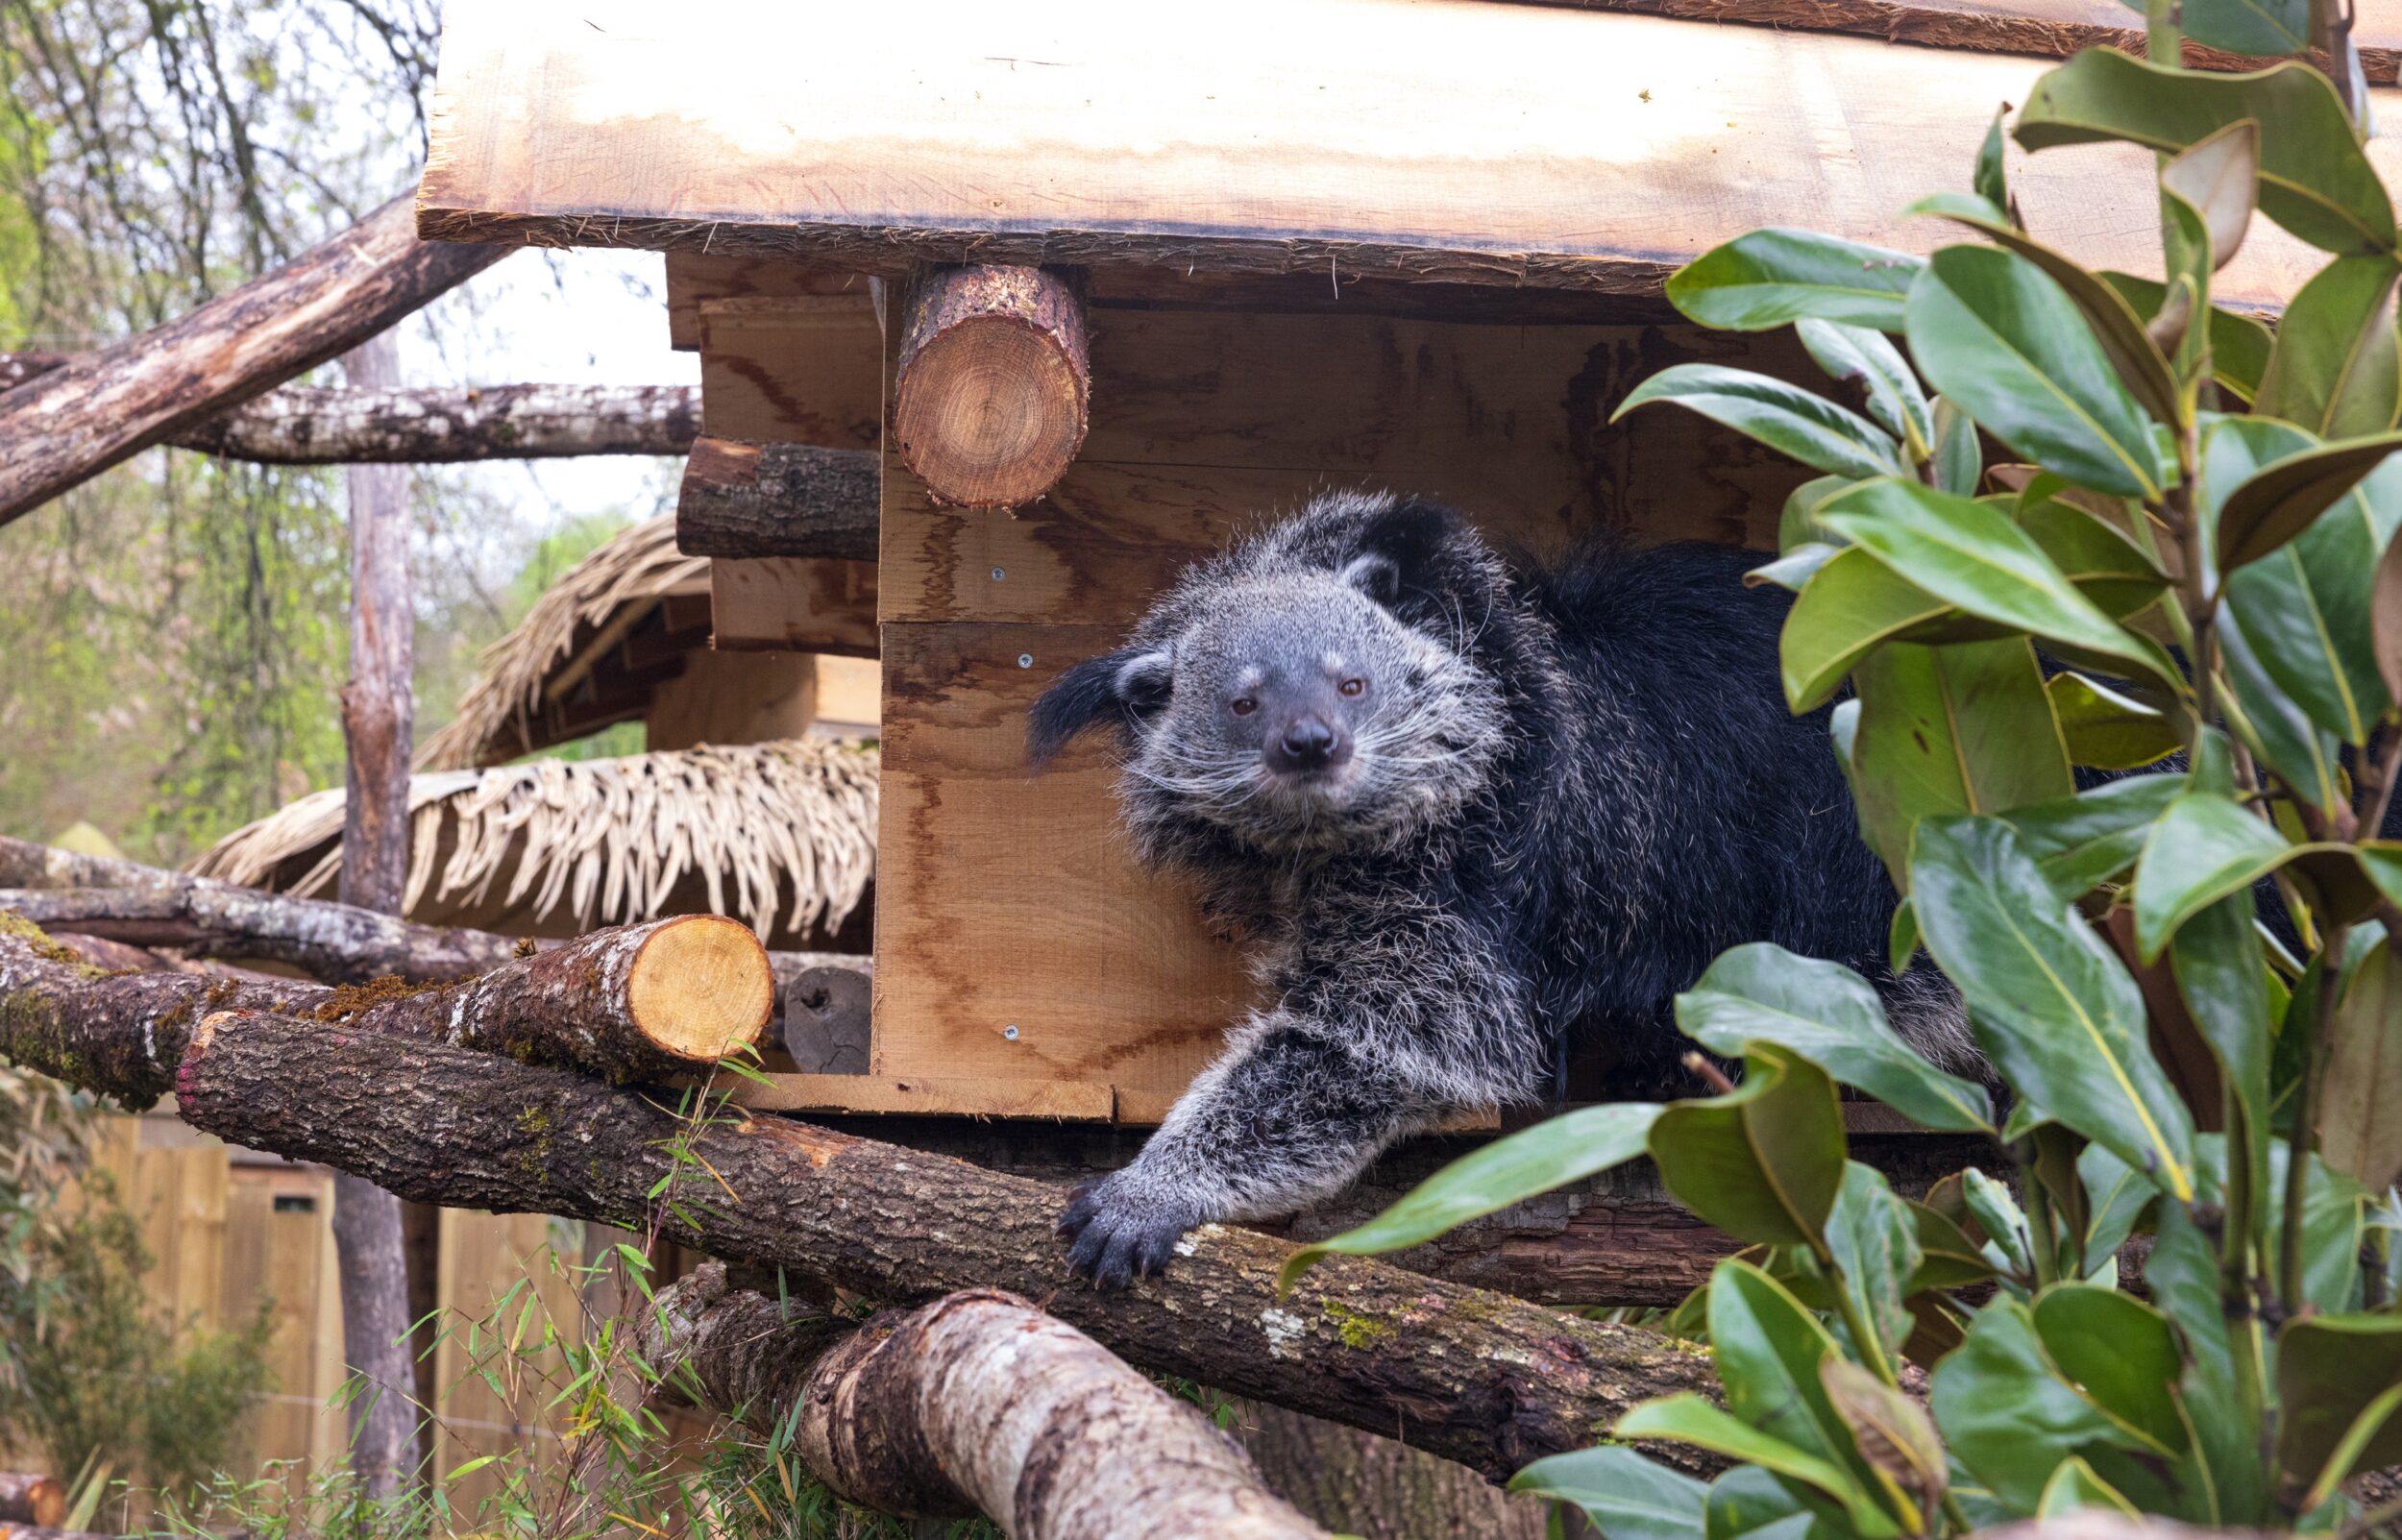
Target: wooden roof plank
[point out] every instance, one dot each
(1427, 140)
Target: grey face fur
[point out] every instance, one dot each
(1295, 713)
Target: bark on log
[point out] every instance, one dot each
(34, 1499)
(992, 383)
(779, 499)
(124, 901)
(309, 424)
(975, 1404)
(1357, 1483)
(638, 1002)
(77, 420)
(1486, 1380)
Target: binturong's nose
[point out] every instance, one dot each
(1307, 744)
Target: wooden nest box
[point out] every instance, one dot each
(1096, 290)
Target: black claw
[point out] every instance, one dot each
(1157, 1246)
(1082, 1206)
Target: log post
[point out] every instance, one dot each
(993, 385)
(978, 1403)
(74, 421)
(1478, 1377)
(636, 1003)
(778, 500)
(36, 1499)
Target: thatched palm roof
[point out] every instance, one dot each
(781, 835)
(526, 691)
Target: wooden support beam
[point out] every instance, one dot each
(778, 500)
(1478, 1377)
(977, 1402)
(992, 385)
(643, 1002)
(310, 425)
(70, 425)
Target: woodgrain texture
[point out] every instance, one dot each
(1016, 939)
(1449, 140)
(2049, 29)
(692, 277)
(732, 697)
(1204, 422)
(992, 383)
(741, 498)
(801, 368)
(793, 603)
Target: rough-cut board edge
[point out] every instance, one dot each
(1092, 1101)
(896, 250)
(695, 277)
(2043, 29)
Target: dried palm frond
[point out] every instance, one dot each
(609, 591)
(786, 826)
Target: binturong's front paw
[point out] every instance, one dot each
(1124, 1226)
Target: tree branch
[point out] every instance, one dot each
(976, 1403)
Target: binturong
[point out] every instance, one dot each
(1471, 812)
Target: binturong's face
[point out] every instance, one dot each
(1296, 712)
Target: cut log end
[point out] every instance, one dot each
(993, 385)
(700, 988)
(38, 1501)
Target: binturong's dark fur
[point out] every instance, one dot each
(1469, 809)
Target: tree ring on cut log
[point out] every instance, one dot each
(993, 385)
(701, 987)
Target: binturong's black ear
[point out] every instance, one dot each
(1399, 552)
(1124, 687)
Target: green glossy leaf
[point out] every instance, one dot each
(1999, 1216)
(1959, 458)
(1750, 1503)
(2280, 501)
(1626, 1494)
(1902, 936)
(2385, 616)
(2121, 1352)
(2238, 343)
(2330, 1370)
(2010, 1416)
(2182, 1273)
(2054, 1010)
(2078, 842)
(1787, 417)
(2098, 558)
(2262, 28)
(2131, 355)
(2314, 177)
(2116, 1196)
(1977, 558)
(2106, 730)
(2337, 367)
(2222, 977)
(1551, 1154)
(1798, 524)
(1763, 1162)
(1854, 604)
(1966, 728)
(2204, 847)
(1947, 1258)
(2217, 178)
(1895, 398)
(2307, 608)
(1793, 571)
(1995, 334)
(1772, 277)
(2360, 1121)
(1761, 992)
(1872, 1240)
(1892, 1430)
(2074, 1486)
(1687, 1418)
(1770, 1350)
(2279, 733)
(1990, 181)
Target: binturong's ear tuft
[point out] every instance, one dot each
(1398, 550)
(1124, 687)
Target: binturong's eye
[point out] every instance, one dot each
(1245, 705)
(1353, 687)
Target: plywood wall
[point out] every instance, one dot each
(1017, 942)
